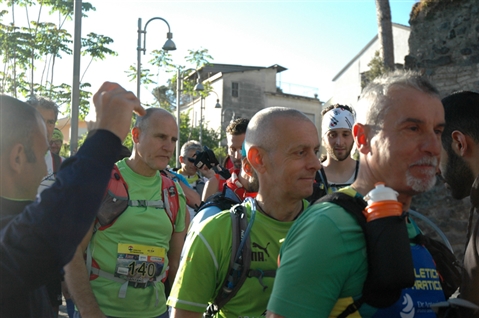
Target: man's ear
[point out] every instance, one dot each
(256, 158)
(459, 143)
(17, 158)
(246, 166)
(135, 134)
(360, 135)
(181, 159)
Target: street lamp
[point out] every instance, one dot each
(198, 87)
(218, 105)
(168, 46)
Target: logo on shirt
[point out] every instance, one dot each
(408, 310)
(258, 256)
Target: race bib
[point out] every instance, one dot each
(139, 263)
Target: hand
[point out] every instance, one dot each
(170, 175)
(207, 172)
(114, 106)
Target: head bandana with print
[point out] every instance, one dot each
(337, 118)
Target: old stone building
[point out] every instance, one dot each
(444, 44)
(242, 91)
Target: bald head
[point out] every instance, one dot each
(282, 146)
(263, 130)
(18, 123)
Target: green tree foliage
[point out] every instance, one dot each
(211, 138)
(376, 68)
(29, 52)
(162, 59)
(198, 58)
(165, 95)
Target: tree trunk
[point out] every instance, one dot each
(385, 33)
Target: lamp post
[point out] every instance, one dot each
(217, 105)
(179, 84)
(168, 46)
(178, 90)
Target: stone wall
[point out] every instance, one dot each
(444, 44)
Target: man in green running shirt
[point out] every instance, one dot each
(281, 147)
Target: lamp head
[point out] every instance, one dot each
(169, 44)
(199, 87)
(218, 105)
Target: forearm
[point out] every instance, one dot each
(211, 187)
(78, 283)
(174, 254)
(192, 197)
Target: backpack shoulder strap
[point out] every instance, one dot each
(352, 205)
(323, 179)
(115, 200)
(57, 161)
(356, 171)
(171, 199)
(447, 266)
(240, 260)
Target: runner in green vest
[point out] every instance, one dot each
(281, 147)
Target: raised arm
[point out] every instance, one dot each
(211, 187)
(49, 230)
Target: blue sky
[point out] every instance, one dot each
(312, 39)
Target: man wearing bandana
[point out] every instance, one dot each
(339, 169)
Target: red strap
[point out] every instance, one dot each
(222, 181)
(169, 185)
(118, 186)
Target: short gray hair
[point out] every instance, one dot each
(142, 121)
(374, 102)
(190, 145)
(45, 103)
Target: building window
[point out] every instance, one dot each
(234, 89)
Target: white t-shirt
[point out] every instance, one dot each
(48, 180)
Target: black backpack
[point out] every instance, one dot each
(447, 265)
(223, 200)
(240, 261)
